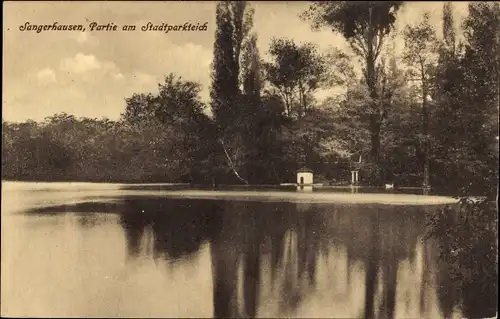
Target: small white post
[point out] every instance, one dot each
(353, 177)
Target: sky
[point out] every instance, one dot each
(89, 74)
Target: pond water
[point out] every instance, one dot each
(100, 250)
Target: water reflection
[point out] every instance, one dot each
(170, 230)
(292, 260)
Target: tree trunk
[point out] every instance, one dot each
(375, 138)
(425, 124)
(371, 83)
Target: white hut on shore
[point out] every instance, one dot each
(305, 179)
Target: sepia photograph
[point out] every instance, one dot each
(250, 159)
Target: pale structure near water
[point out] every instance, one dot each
(304, 179)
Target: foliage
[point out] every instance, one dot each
(420, 41)
(295, 72)
(233, 109)
(339, 70)
(463, 127)
(241, 16)
(354, 20)
(224, 92)
(365, 25)
(468, 237)
(449, 34)
(467, 82)
(420, 57)
(160, 137)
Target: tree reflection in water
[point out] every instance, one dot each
(177, 227)
(275, 259)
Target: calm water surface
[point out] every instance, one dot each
(96, 251)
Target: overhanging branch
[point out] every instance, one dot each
(231, 164)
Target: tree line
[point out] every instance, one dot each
(427, 116)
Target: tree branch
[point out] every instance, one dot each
(231, 164)
(379, 45)
(360, 46)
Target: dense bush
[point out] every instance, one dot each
(468, 240)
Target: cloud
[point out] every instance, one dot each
(144, 78)
(89, 68)
(109, 68)
(81, 63)
(74, 92)
(195, 59)
(86, 38)
(193, 64)
(138, 82)
(46, 76)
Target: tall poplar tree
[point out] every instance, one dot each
(233, 24)
(224, 90)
